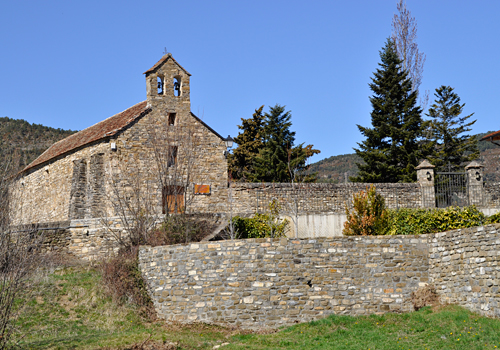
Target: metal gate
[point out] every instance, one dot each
(451, 189)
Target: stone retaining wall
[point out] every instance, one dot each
(259, 282)
(465, 268)
(262, 283)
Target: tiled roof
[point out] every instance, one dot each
(494, 136)
(106, 128)
(163, 59)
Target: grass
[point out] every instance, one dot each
(72, 311)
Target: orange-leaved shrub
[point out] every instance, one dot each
(369, 215)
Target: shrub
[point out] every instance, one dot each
(420, 221)
(369, 215)
(260, 226)
(181, 228)
(494, 219)
(424, 296)
(123, 281)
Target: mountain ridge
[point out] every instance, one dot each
(337, 169)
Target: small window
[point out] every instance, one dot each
(172, 156)
(173, 199)
(177, 86)
(171, 118)
(159, 85)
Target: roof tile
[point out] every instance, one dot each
(103, 129)
(494, 136)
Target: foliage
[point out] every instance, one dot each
(392, 148)
(22, 142)
(180, 228)
(494, 219)
(123, 281)
(73, 312)
(408, 221)
(262, 225)
(266, 150)
(250, 142)
(333, 169)
(452, 147)
(369, 215)
(258, 226)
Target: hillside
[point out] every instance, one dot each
(335, 168)
(22, 142)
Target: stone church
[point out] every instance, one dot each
(157, 149)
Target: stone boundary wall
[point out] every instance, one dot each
(262, 283)
(491, 196)
(312, 198)
(465, 268)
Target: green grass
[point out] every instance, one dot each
(72, 311)
(450, 328)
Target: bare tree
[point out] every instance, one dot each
(404, 35)
(133, 201)
(21, 257)
(155, 186)
(231, 230)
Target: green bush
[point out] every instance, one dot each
(260, 226)
(369, 215)
(420, 221)
(494, 219)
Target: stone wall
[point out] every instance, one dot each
(491, 195)
(465, 268)
(262, 283)
(319, 197)
(259, 282)
(88, 182)
(56, 191)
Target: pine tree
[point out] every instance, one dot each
(279, 160)
(272, 163)
(452, 148)
(393, 146)
(249, 142)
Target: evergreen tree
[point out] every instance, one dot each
(272, 163)
(452, 148)
(279, 160)
(393, 146)
(249, 142)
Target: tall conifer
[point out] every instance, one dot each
(393, 147)
(453, 147)
(272, 163)
(249, 142)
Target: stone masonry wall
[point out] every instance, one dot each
(491, 195)
(87, 182)
(465, 268)
(56, 191)
(319, 197)
(259, 282)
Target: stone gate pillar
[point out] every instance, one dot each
(475, 183)
(425, 177)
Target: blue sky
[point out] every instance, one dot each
(70, 64)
